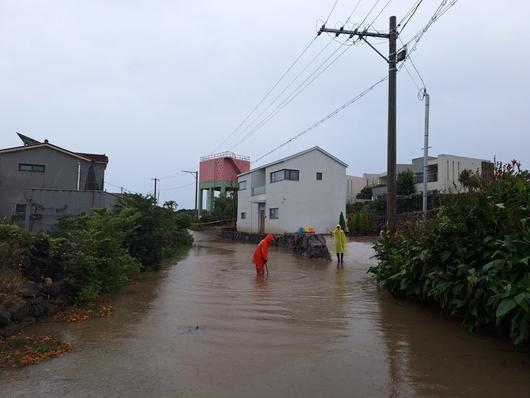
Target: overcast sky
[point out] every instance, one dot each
(156, 84)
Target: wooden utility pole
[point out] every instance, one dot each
(392, 60)
(391, 193)
(196, 175)
(155, 180)
(425, 154)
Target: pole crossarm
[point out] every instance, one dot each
(352, 33)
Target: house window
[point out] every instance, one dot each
(293, 175)
(278, 176)
(35, 168)
(319, 176)
(285, 174)
(242, 185)
(432, 173)
(20, 208)
(418, 178)
(274, 213)
(243, 215)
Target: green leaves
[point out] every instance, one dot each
(473, 260)
(504, 307)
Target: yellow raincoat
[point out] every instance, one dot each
(340, 239)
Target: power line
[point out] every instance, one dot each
(369, 12)
(331, 12)
(267, 94)
(379, 14)
(249, 126)
(178, 187)
(411, 12)
(412, 77)
(441, 10)
(409, 58)
(275, 85)
(354, 9)
(301, 87)
(325, 118)
(172, 176)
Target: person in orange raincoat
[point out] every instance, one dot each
(261, 254)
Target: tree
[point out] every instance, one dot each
(171, 205)
(470, 180)
(224, 208)
(342, 221)
(405, 183)
(366, 193)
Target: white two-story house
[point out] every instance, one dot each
(307, 189)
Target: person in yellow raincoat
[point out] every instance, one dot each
(340, 243)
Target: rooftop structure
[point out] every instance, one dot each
(218, 173)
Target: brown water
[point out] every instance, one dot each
(207, 327)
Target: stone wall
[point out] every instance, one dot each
(307, 245)
(32, 302)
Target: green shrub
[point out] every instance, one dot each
(342, 221)
(225, 208)
(362, 223)
(473, 260)
(156, 232)
(405, 183)
(366, 193)
(99, 262)
(95, 253)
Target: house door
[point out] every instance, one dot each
(261, 212)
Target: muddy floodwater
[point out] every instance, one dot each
(208, 327)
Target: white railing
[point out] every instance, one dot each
(225, 155)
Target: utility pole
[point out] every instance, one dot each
(196, 175)
(154, 195)
(392, 60)
(425, 153)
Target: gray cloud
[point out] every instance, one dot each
(156, 84)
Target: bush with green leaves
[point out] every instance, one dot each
(473, 260)
(15, 244)
(156, 232)
(31, 256)
(405, 183)
(99, 262)
(366, 193)
(225, 208)
(362, 223)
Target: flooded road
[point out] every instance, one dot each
(207, 327)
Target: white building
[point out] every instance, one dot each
(354, 184)
(444, 171)
(307, 189)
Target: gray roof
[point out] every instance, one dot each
(315, 148)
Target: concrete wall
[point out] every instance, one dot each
(47, 205)
(449, 169)
(307, 202)
(354, 185)
(60, 173)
